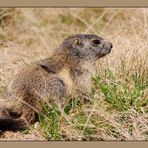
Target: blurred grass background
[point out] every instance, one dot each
(118, 106)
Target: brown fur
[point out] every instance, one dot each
(68, 72)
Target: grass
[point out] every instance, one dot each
(117, 109)
(122, 95)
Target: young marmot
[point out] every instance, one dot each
(67, 73)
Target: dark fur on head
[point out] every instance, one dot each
(86, 47)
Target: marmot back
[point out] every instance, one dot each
(67, 73)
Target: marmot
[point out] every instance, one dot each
(68, 72)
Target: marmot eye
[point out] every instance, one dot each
(77, 42)
(96, 42)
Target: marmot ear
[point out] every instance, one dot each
(76, 42)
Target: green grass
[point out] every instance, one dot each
(50, 123)
(125, 94)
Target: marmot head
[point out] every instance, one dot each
(86, 47)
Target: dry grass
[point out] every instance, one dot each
(118, 106)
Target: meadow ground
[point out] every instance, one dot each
(117, 109)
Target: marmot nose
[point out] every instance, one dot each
(111, 45)
(108, 45)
